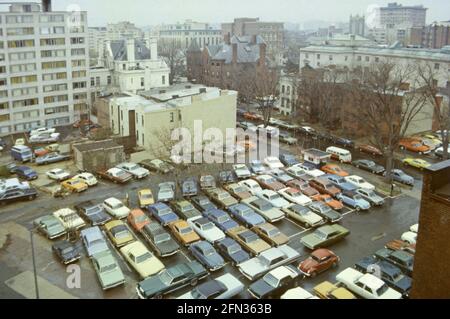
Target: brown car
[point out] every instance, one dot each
(249, 240)
(183, 232)
(221, 197)
(324, 186)
(269, 182)
(237, 191)
(398, 244)
(320, 260)
(271, 234)
(369, 149)
(414, 145)
(303, 187)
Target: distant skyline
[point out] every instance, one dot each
(153, 12)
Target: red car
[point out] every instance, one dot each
(269, 182)
(303, 187)
(319, 261)
(369, 149)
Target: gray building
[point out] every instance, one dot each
(357, 25)
(95, 155)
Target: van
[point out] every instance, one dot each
(339, 154)
(21, 153)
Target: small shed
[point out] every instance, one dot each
(95, 155)
(315, 156)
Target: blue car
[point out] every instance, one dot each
(288, 159)
(202, 203)
(354, 200)
(163, 213)
(340, 183)
(221, 219)
(25, 172)
(207, 255)
(232, 251)
(246, 215)
(400, 176)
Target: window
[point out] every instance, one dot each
(377, 59)
(77, 52)
(79, 85)
(58, 109)
(330, 57)
(19, 31)
(53, 65)
(142, 82)
(29, 67)
(52, 30)
(171, 117)
(78, 74)
(92, 82)
(52, 18)
(142, 120)
(79, 96)
(367, 59)
(436, 66)
(97, 81)
(4, 106)
(318, 56)
(56, 98)
(163, 79)
(4, 117)
(288, 90)
(55, 87)
(21, 56)
(23, 79)
(56, 41)
(20, 43)
(76, 40)
(78, 63)
(77, 29)
(282, 89)
(108, 79)
(359, 58)
(19, 19)
(53, 53)
(24, 103)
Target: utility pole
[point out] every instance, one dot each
(34, 264)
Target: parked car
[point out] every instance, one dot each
(369, 149)
(163, 213)
(251, 185)
(416, 162)
(341, 182)
(288, 139)
(224, 287)
(399, 258)
(295, 196)
(329, 201)
(400, 176)
(275, 283)
(185, 210)
(25, 172)
(119, 233)
(325, 211)
(271, 234)
(334, 169)
(115, 175)
(141, 259)
(398, 244)
(232, 251)
(189, 187)
(42, 130)
(298, 293)
(303, 215)
(108, 270)
(207, 182)
(171, 279)
(370, 166)
(157, 165)
(344, 142)
(354, 200)
(237, 191)
(281, 175)
(439, 152)
(303, 186)
(327, 290)
(69, 219)
(206, 229)
(183, 232)
(296, 171)
(202, 203)
(264, 208)
(257, 167)
(135, 170)
(94, 214)
(115, 208)
(288, 160)
(221, 197)
(269, 182)
(74, 185)
(319, 261)
(249, 240)
(137, 219)
(246, 215)
(324, 236)
(166, 191)
(273, 198)
(58, 174)
(87, 178)
(16, 193)
(410, 237)
(207, 255)
(226, 177)
(66, 252)
(51, 158)
(93, 241)
(414, 145)
(273, 162)
(241, 171)
(50, 226)
(145, 197)
(359, 182)
(221, 219)
(47, 138)
(371, 197)
(366, 285)
(324, 186)
(159, 239)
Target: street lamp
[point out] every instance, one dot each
(34, 263)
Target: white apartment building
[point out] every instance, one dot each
(189, 31)
(396, 15)
(123, 29)
(287, 86)
(44, 67)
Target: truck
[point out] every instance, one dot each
(367, 286)
(115, 175)
(21, 153)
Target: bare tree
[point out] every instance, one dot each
(385, 104)
(171, 51)
(436, 96)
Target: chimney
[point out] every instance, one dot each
(46, 5)
(235, 54)
(153, 48)
(226, 38)
(130, 50)
(262, 53)
(253, 39)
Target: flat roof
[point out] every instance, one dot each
(95, 145)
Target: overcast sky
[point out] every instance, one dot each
(152, 12)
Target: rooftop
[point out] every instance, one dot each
(247, 51)
(119, 50)
(96, 145)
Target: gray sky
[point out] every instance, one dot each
(152, 12)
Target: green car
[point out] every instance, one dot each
(324, 236)
(50, 226)
(108, 270)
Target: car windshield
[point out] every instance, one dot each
(123, 233)
(270, 180)
(141, 219)
(209, 251)
(320, 234)
(133, 167)
(117, 206)
(58, 171)
(166, 278)
(119, 173)
(144, 257)
(370, 164)
(357, 197)
(109, 267)
(223, 196)
(273, 232)
(327, 199)
(264, 206)
(28, 171)
(223, 219)
(251, 238)
(382, 289)
(246, 212)
(164, 211)
(185, 230)
(208, 226)
(146, 196)
(67, 250)
(360, 180)
(234, 249)
(271, 280)
(162, 238)
(187, 208)
(274, 196)
(239, 189)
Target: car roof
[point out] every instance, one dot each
(210, 287)
(112, 200)
(321, 253)
(280, 272)
(327, 229)
(371, 281)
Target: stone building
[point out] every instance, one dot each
(95, 155)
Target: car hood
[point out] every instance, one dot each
(140, 171)
(168, 247)
(229, 224)
(112, 277)
(169, 217)
(255, 219)
(151, 286)
(73, 254)
(240, 256)
(56, 229)
(242, 171)
(276, 186)
(260, 288)
(229, 201)
(253, 267)
(259, 246)
(363, 203)
(313, 218)
(311, 240)
(98, 248)
(280, 202)
(214, 260)
(405, 283)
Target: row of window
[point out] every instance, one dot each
(11, 19)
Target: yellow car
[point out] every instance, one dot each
(119, 233)
(416, 162)
(145, 197)
(432, 138)
(327, 290)
(74, 185)
(141, 259)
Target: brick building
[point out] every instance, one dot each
(221, 65)
(433, 36)
(430, 277)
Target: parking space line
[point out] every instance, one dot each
(297, 225)
(349, 212)
(299, 233)
(185, 256)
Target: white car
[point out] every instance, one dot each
(414, 228)
(308, 129)
(134, 169)
(44, 138)
(241, 171)
(298, 293)
(273, 162)
(87, 178)
(69, 218)
(224, 287)
(296, 171)
(366, 285)
(410, 237)
(42, 130)
(116, 208)
(58, 174)
(274, 198)
(313, 172)
(252, 186)
(295, 196)
(359, 182)
(206, 229)
(304, 215)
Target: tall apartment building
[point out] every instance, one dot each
(96, 41)
(396, 15)
(189, 31)
(434, 36)
(43, 66)
(357, 25)
(271, 32)
(121, 30)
